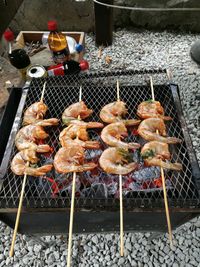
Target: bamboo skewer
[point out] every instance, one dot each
(43, 90)
(121, 200)
(163, 183)
(72, 205)
(11, 252)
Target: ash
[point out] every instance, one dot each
(134, 50)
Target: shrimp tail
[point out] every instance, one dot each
(173, 140)
(48, 122)
(43, 148)
(38, 171)
(67, 120)
(133, 145)
(86, 167)
(129, 168)
(166, 118)
(131, 122)
(93, 124)
(92, 145)
(171, 166)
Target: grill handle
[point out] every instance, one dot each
(15, 105)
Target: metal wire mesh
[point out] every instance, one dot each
(97, 189)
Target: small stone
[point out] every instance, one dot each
(7, 261)
(37, 248)
(57, 255)
(95, 239)
(128, 246)
(137, 246)
(1, 257)
(25, 260)
(107, 258)
(198, 232)
(121, 261)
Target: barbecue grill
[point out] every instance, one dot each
(47, 199)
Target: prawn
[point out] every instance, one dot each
(71, 159)
(77, 135)
(74, 111)
(35, 113)
(112, 134)
(19, 164)
(155, 152)
(115, 162)
(147, 130)
(151, 109)
(28, 136)
(114, 112)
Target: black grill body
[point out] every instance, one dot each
(96, 205)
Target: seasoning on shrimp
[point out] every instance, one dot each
(28, 136)
(112, 160)
(19, 167)
(71, 159)
(151, 109)
(113, 133)
(114, 112)
(77, 135)
(147, 130)
(35, 114)
(74, 111)
(154, 153)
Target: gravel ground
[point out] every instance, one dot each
(129, 50)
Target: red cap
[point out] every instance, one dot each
(84, 65)
(9, 35)
(52, 25)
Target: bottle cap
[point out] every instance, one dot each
(9, 35)
(52, 25)
(84, 65)
(79, 48)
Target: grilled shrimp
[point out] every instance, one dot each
(112, 134)
(35, 113)
(73, 111)
(113, 161)
(89, 124)
(19, 164)
(71, 159)
(151, 109)
(155, 152)
(147, 130)
(114, 112)
(28, 136)
(77, 135)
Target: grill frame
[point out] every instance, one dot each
(99, 204)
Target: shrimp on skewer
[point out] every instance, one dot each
(114, 112)
(35, 114)
(74, 111)
(113, 160)
(151, 109)
(71, 159)
(77, 135)
(28, 136)
(155, 152)
(19, 167)
(113, 133)
(88, 125)
(147, 130)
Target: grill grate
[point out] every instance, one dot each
(99, 190)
